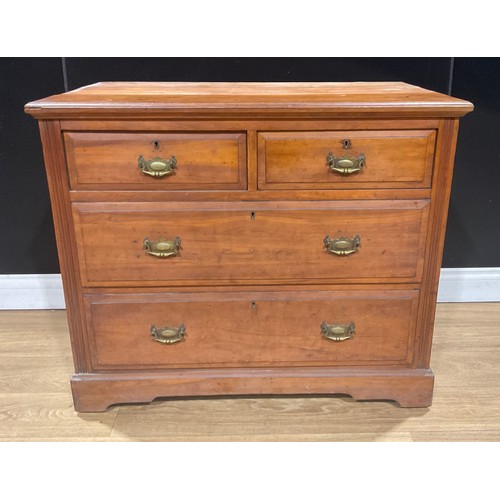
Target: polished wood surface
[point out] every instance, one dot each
(94, 392)
(241, 242)
(232, 329)
(262, 124)
(441, 189)
(36, 403)
(251, 195)
(201, 100)
(110, 161)
(237, 233)
(57, 178)
(393, 159)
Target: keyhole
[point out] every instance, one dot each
(252, 215)
(254, 305)
(346, 144)
(156, 145)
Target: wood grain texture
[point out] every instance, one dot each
(232, 329)
(466, 401)
(110, 161)
(233, 232)
(305, 123)
(211, 100)
(57, 178)
(393, 159)
(252, 166)
(441, 187)
(239, 242)
(251, 196)
(95, 392)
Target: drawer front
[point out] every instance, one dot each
(98, 160)
(251, 329)
(248, 242)
(390, 159)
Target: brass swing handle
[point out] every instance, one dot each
(345, 165)
(167, 334)
(342, 246)
(337, 332)
(162, 248)
(157, 167)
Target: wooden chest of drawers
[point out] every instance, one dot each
(266, 238)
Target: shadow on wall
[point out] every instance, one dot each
(43, 245)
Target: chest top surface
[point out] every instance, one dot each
(203, 99)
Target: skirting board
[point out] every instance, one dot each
(44, 291)
(31, 291)
(469, 284)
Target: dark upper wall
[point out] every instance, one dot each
(473, 230)
(27, 243)
(432, 73)
(26, 234)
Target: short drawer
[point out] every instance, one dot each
(251, 329)
(166, 243)
(165, 161)
(347, 159)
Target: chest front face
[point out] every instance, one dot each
(250, 238)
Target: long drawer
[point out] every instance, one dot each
(251, 329)
(164, 161)
(347, 159)
(165, 243)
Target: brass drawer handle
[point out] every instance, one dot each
(342, 246)
(336, 332)
(162, 248)
(345, 165)
(157, 167)
(167, 334)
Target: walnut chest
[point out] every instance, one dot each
(249, 238)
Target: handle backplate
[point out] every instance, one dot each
(342, 246)
(338, 332)
(162, 248)
(157, 167)
(345, 165)
(168, 334)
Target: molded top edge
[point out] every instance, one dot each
(113, 99)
